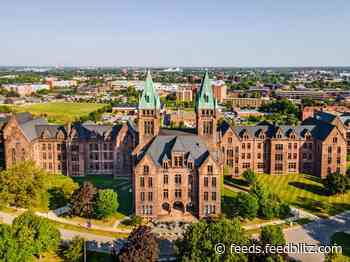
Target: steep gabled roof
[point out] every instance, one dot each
(205, 98)
(149, 98)
(163, 145)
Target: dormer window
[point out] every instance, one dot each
(165, 165)
(178, 161)
(229, 140)
(335, 140)
(190, 165)
(210, 169)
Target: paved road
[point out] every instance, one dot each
(319, 233)
(7, 218)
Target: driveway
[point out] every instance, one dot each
(318, 232)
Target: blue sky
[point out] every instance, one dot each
(175, 33)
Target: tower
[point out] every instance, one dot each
(206, 113)
(148, 112)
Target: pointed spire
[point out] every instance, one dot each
(149, 98)
(205, 97)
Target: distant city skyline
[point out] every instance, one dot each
(107, 33)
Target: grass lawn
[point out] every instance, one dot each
(300, 190)
(58, 112)
(120, 185)
(226, 198)
(342, 239)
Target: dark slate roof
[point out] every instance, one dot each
(324, 116)
(29, 128)
(87, 131)
(161, 147)
(318, 129)
(51, 130)
(23, 117)
(177, 132)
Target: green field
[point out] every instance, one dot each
(58, 112)
(304, 191)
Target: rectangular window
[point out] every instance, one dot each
(205, 196)
(279, 157)
(206, 181)
(279, 167)
(142, 181)
(142, 196)
(292, 165)
(279, 146)
(166, 179)
(150, 196)
(165, 194)
(246, 165)
(178, 179)
(210, 169)
(213, 196)
(213, 181)
(150, 182)
(177, 193)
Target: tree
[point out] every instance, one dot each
(336, 183)
(270, 204)
(246, 205)
(75, 250)
(272, 236)
(106, 203)
(200, 240)
(141, 246)
(12, 249)
(41, 233)
(82, 200)
(249, 176)
(23, 185)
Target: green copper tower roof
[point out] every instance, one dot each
(149, 98)
(205, 98)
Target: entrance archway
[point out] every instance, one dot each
(166, 206)
(178, 205)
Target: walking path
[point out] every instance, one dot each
(319, 233)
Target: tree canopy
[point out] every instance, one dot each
(106, 203)
(200, 240)
(142, 245)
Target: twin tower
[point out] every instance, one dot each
(206, 113)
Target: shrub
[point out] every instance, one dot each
(246, 205)
(336, 183)
(106, 203)
(75, 250)
(249, 176)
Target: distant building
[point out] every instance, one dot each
(248, 102)
(124, 109)
(185, 93)
(219, 90)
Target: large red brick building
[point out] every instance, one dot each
(178, 171)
